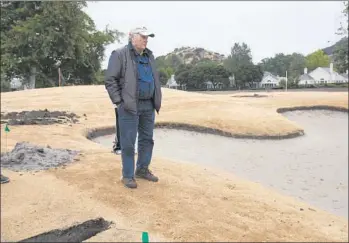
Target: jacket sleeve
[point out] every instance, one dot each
(112, 77)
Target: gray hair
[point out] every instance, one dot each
(131, 35)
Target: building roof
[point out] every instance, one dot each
(344, 75)
(335, 75)
(327, 69)
(306, 77)
(269, 74)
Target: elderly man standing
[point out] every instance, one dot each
(133, 86)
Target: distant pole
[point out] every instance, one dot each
(286, 80)
(59, 76)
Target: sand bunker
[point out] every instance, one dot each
(30, 157)
(39, 117)
(312, 167)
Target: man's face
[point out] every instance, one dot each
(140, 41)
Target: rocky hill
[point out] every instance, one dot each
(192, 55)
(330, 49)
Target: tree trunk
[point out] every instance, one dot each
(32, 78)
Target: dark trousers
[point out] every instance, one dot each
(117, 130)
(129, 124)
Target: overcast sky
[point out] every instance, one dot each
(267, 27)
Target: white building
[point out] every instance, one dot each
(269, 80)
(209, 85)
(232, 81)
(322, 75)
(16, 83)
(172, 83)
(306, 79)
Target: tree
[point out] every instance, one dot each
(182, 74)
(183, 78)
(296, 67)
(101, 76)
(240, 64)
(294, 64)
(340, 56)
(317, 59)
(276, 65)
(342, 30)
(282, 83)
(161, 62)
(248, 74)
(195, 76)
(172, 61)
(239, 55)
(169, 71)
(5, 82)
(213, 72)
(40, 36)
(340, 53)
(183, 67)
(167, 66)
(164, 76)
(256, 74)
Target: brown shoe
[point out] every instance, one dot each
(146, 174)
(129, 182)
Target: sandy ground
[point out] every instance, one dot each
(190, 203)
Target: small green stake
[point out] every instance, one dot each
(7, 129)
(145, 237)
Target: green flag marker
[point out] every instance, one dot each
(7, 129)
(145, 237)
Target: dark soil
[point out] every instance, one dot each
(40, 117)
(250, 96)
(312, 108)
(76, 233)
(28, 157)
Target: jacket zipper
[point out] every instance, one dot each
(152, 68)
(136, 74)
